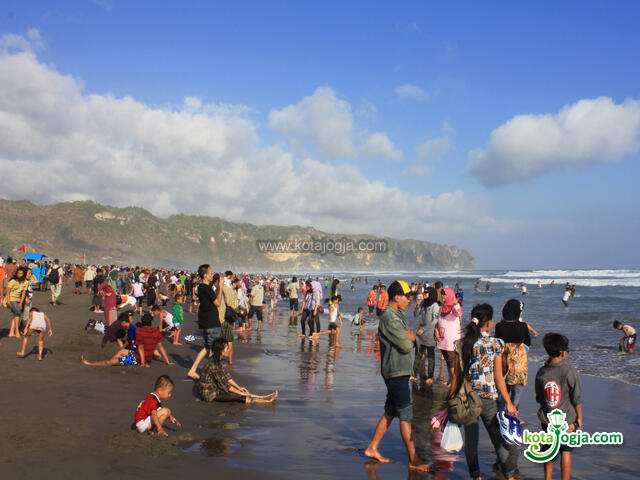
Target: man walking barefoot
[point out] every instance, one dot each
(396, 343)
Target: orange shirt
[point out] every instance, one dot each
(371, 299)
(383, 300)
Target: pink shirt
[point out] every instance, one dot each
(449, 329)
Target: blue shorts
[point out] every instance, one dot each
(210, 335)
(15, 308)
(129, 359)
(398, 403)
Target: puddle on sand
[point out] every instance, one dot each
(221, 425)
(215, 446)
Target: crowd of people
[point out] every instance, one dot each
(142, 306)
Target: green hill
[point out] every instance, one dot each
(132, 235)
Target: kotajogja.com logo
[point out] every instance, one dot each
(557, 434)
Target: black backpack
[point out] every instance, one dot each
(54, 276)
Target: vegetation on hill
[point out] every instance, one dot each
(133, 235)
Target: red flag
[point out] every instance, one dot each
(23, 248)
(83, 256)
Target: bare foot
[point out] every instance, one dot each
(39, 359)
(193, 376)
(20, 354)
(84, 361)
(376, 455)
(177, 343)
(420, 467)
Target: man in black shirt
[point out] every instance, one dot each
(208, 316)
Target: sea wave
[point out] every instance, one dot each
(574, 274)
(559, 281)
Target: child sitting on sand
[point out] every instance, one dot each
(558, 386)
(215, 384)
(38, 322)
(150, 414)
(628, 342)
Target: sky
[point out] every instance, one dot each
(509, 129)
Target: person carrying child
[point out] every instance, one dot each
(558, 386)
(628, 342)
(38, 322)
(151, 415)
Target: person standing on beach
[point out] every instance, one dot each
(558, 386)
(78, 277)
(429, 313)
(15, 296)
(256, 297)
(383, 301)
(55, 279)
(292, 290)
(482, 365)
(371, 299)
(396, 343)
(449, 329)
(515, 335)
(208, 316)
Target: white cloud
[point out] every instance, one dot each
(324, 121)
(527, 146)
(378, 145)
(408, 91)
(433, 148)
(13, 41)
(417, 171)
(200, 159)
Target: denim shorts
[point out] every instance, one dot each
(398, 403)
(210, 335)
(15, 308)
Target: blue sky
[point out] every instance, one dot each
(506, 128)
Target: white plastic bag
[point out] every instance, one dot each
(451, 438)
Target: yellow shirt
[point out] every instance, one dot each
(15, 289)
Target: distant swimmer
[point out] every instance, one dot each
(523, 290)
(566, 296)
(476, 287)
(539, 284)
(552, 283)
(628, 342)
(487, 287)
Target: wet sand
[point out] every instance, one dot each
(61, 418)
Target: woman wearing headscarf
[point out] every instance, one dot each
(449, 329)
(515, 335)
(426, 335)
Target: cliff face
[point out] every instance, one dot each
(135, 236)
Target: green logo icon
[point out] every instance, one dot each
(557, 434)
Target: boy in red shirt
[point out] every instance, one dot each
(148, 340)
(150, 414)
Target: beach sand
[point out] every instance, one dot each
(63, 419)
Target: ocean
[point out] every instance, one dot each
(602, 296)
(330, 398)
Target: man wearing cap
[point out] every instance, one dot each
(396, 342)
